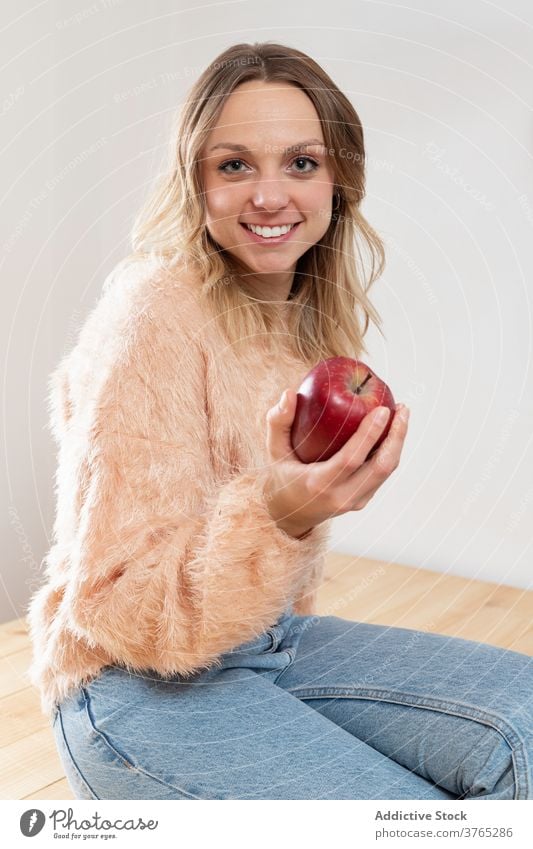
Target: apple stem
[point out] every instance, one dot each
(363, 383)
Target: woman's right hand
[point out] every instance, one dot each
(302, 495)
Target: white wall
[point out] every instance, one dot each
(444, 93)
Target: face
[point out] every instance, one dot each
(265, 164)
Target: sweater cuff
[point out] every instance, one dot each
(304, 545)
(240, 504)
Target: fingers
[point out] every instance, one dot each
(387, 457)
(279, 423)
(355, 451)
(347, 475)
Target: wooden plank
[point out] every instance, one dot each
(384, 593)
(13, 636)
(29, 763)
(57, 790)
(21, 715)
(510, 632)
(13, 672)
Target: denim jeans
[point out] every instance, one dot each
(316, 707)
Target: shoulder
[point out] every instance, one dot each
(141, 304)
(141, 340)
(146, 290)
(146, 326)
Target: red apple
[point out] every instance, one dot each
(331, 403)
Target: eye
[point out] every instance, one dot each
(225, 168)
(307, 159)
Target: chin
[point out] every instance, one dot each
(273, 263)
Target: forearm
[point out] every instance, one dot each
(280, 514)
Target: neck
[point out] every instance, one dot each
(275, 286)
(268, 287)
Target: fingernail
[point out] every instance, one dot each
(404, 413)
(283, 402)
(381, 415)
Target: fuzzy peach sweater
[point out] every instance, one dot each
(164, 553)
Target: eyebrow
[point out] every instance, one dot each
(242, 147)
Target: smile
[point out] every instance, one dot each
(270, 234)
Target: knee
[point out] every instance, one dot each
(498, 769)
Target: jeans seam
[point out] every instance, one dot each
(513, 740)
(75, 766)
(125, 761)
(291, 654)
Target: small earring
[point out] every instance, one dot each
(338, 199)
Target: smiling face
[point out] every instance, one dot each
(265, 164)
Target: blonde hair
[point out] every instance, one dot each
(329, 285)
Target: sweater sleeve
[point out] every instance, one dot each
(169, 566)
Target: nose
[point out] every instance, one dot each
(270, 194)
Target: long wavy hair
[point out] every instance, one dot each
(329, 310)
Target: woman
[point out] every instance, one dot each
(175, 644)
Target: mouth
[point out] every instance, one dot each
(270, 235)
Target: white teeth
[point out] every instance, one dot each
(269, 232)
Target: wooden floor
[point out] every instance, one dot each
(355, 588)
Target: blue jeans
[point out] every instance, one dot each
(316, 707)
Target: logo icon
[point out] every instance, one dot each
(31, 822)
